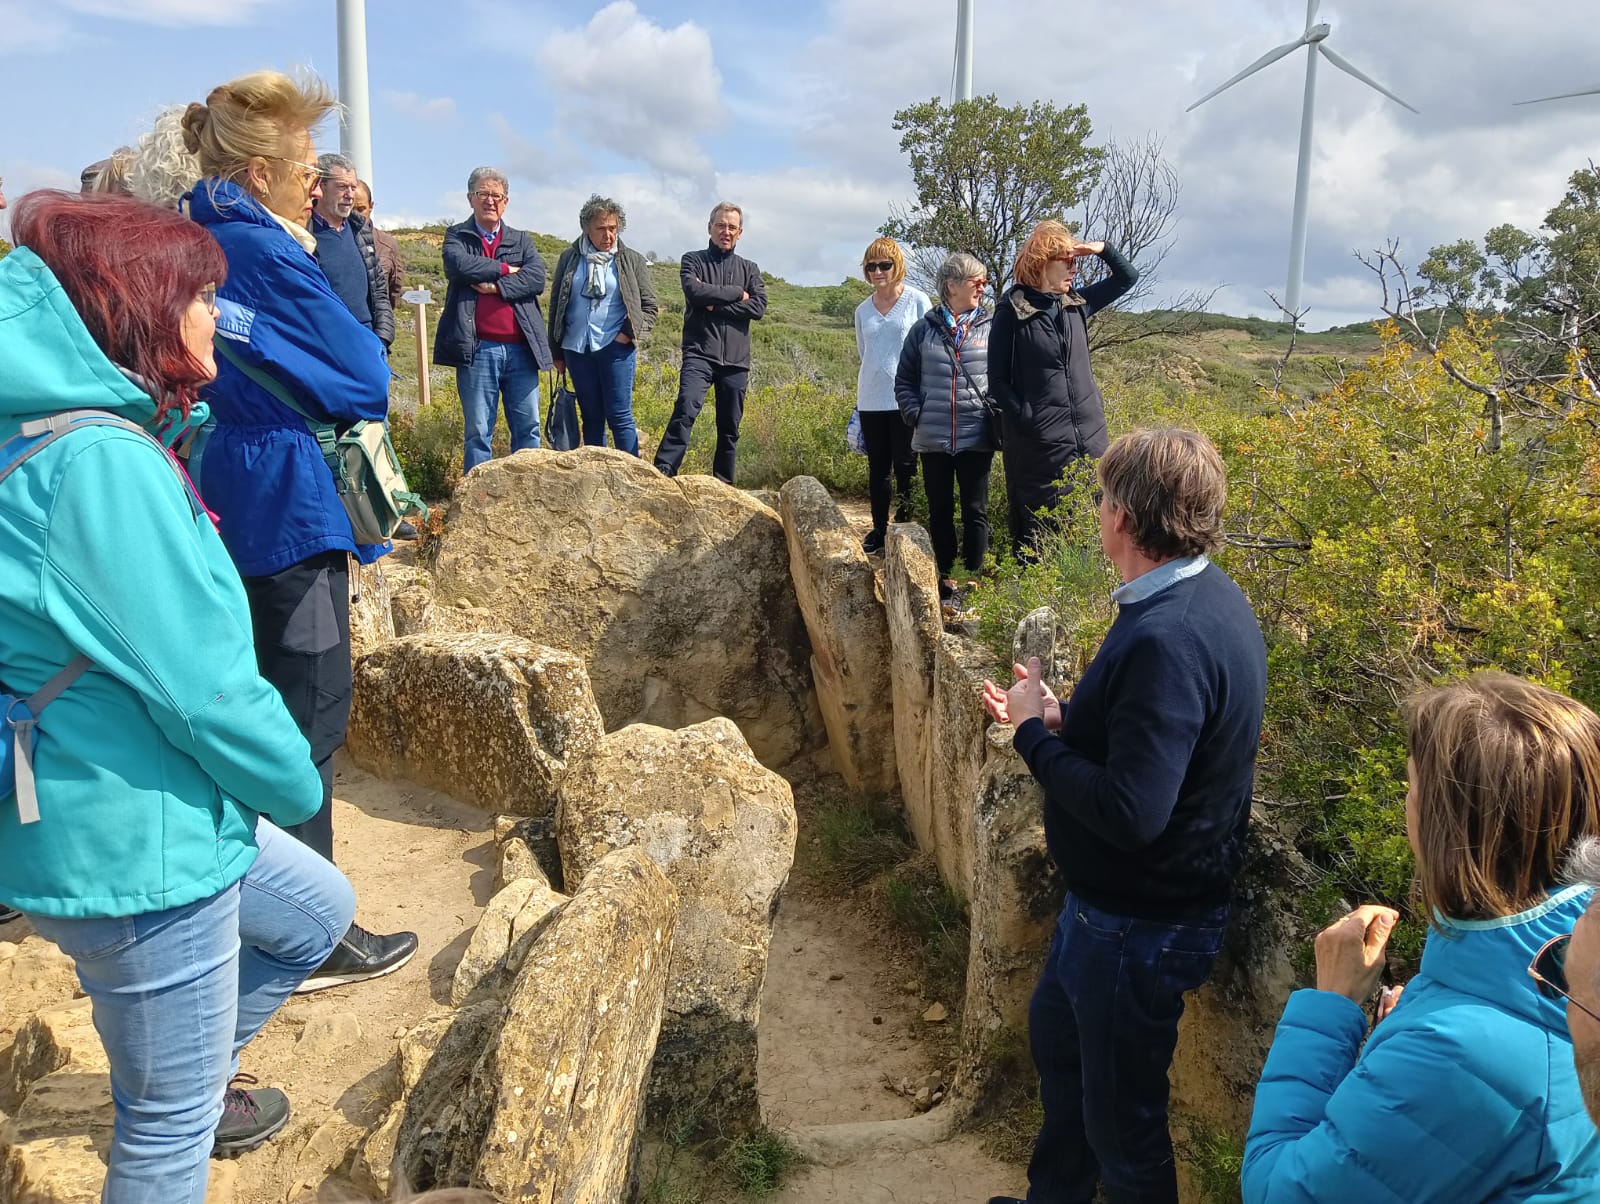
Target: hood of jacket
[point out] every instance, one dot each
(48, 360)
(1028, 302)
(216, 201)
(1489, 958)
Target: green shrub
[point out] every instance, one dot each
(757, 1162)
(927, 911)
(856, 840)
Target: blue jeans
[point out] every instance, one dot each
(498, 370)
(1103, 1025)
(603, 380)
(178, 993)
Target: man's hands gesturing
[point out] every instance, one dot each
(1029, 698)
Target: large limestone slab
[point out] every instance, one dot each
(722, 827)
(675, 592)
(510, 924)
(371, 614)
(837, 590)
(956, 755)
(489, 719)
(552, 1109)
(911, 605)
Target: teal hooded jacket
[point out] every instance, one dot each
(154, 765)
(1466, 1092)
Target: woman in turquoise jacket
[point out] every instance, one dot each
(1465, 1091)
(145, 845)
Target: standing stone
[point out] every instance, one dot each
(506, 931)
(488, 719)
(837, 590)
(957, 755)
(911, 603)
(552, 1109)
(371, 616)
(675, 592)
(722, 827)
(1039, 634)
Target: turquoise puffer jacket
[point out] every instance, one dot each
(1465, 1093)
(152, 767)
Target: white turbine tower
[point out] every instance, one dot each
(963, 70)
(355, 111)
(1314, 40)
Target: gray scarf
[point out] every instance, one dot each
(598, 261)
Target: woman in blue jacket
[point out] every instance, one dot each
(142, 845)
(282, 327)
(1466, 1090)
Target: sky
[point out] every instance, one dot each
(786, 108)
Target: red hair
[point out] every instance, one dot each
(131, 270)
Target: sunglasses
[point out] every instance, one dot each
(879, 266)
(979, 282)
(1549, 969)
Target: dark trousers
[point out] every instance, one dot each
(301, 618)
(891, 464)
(942, 474)
(695, 377)
(1103, 1025)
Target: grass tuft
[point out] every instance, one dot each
(758, 1161)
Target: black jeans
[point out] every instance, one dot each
(695, 377)
(891, 464)
(1103, 1025)
(941, 475)
(301, 618)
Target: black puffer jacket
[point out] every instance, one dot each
(1039, 375)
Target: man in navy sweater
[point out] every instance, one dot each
(1147, 773)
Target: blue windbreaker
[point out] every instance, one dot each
(1465, 1093)
(152, 766)
(261, 470)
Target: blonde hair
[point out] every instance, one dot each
(1506, 779)
(885, 248)
(260, 115)
(1172, 485)
(113, 177)
(1049, 240)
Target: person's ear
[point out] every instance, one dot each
(257, 176)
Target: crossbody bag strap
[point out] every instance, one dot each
(326, 436)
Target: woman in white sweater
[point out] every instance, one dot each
(882, 322)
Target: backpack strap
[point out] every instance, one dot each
(23, 719)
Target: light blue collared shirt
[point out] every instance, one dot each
(593, 322)
(1163, 576)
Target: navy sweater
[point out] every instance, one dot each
(1147, 788)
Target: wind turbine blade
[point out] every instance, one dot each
(1311, 12)
(1271, 56)
(1594, 91)
(1346, 66)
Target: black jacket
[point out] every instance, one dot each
(1039, 375)
(716, 323)
(465, 264)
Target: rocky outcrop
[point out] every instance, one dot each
(552, 1108)
(675, 592)
(911, 607)
(837, 590)
(510, 924)
(371, 615)
(722, 827)
(489, 719)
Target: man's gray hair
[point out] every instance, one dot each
(726, 207)
(488, 175)
(333, 161)
(600, 206)
(1583, 862)
(959, 266)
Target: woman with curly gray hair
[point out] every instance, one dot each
(602, 304)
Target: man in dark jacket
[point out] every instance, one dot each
(1147, 775)
(346, 251)
(491, 330)
(722, 295)
(390, 260)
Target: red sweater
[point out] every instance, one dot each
(496, 321)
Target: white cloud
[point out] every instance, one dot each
(636, 89)
(173, 13)
(30, 31)
(413, 104)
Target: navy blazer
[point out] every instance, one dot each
(465, 264)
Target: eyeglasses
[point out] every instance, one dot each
(209, 296)
(1097, 496)
(886, 265)
(1549, 969)
(309, 172)
(979, 282)
(491, 198)
(1070, 260)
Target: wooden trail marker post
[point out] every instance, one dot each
(420, 297)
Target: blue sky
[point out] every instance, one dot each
(785, 107)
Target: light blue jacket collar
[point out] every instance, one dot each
(1163, 576)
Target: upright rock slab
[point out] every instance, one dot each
(956, 755)
(552, 1109)
(675, 592)
(911, 605)
(722, 827)
(489, 719)
(837, 590)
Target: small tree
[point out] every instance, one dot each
(985, 175)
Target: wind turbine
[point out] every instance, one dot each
(1314, 39)
(1594, 91)
(355, 109)
(962, 86)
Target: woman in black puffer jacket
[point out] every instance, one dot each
(941, 389)
(1039, 371)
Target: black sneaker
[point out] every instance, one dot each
(249, 1118)
(873, 543)
(7, 914)
(902, 513)
(1007, 1200)
(359, 956)
(405, 531)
